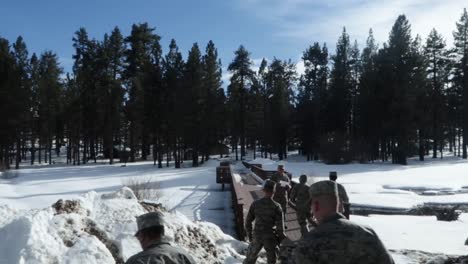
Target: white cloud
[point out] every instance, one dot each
(323, 21)
(226, 77)
(300, 68)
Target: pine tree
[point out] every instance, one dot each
(20, 53)
(256, 110)
(139, 58)
(174, 105)
(396, 71)
(419, 97)
(461, 48)
(241, 80)
(368, 103)
(213, 120)
(281, 80)
(312, 99)
(437, 73)
(340, 101)
(11, 111)
(34, 104)
(49, 94)
(114, 50)
(194, 101)
(85, 71)
(355, 67)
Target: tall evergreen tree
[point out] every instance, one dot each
(312, 99)
(461, 48)
(20, 53)
(49, 94)
(142, 44)
(194, 100)
(213, 93)
(241, 80)
(114, 50)
(367, 108)
(281, 81)
(396, 71)
(437, 74)
(11, 111)
(34, 104)
(174, 105)
(340, 101)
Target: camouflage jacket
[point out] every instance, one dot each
(161, 252)
(267, 215)
(342, 193)
(281, 191)
(339, 240)
(300, 196)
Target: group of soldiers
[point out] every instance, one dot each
(331, 239)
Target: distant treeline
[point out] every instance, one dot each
(126, 99)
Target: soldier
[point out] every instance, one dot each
(344, 199)
(156, 250)
(282, 187)
(300, 197)
(269, 226)
(336, 239)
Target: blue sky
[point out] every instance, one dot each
(267, 28)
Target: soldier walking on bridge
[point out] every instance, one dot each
(336, 239)
(269, 226)
(342, 195)
(300, 197)
(282, 187)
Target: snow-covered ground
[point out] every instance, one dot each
(101, 230)
(192, 192)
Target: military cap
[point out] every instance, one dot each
(148, 220)
(269, 185)
(323, 188)
(280, 166)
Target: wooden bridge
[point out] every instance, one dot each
(246, 188)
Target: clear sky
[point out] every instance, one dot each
(267, 28)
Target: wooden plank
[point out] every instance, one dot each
(247, 192)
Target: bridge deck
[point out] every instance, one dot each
(249, 190)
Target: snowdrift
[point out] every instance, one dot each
(99, 229)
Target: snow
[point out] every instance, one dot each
(199, 214)
(191, 191)
(41, 236)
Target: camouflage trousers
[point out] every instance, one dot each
(303, 218)
(259, 242)
(283, 201)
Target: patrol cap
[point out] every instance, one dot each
(281, 166)
(148, 220)
(323, 188)
(269, 186)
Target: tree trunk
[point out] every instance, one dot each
(33, 150)
(421, 145)
(18, 151)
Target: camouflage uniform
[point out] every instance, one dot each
(300, 196)
(267, 215)
(344, 199)
(281, 194)
(338, 240)
(161, 252)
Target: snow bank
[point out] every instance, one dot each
(101, 231)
